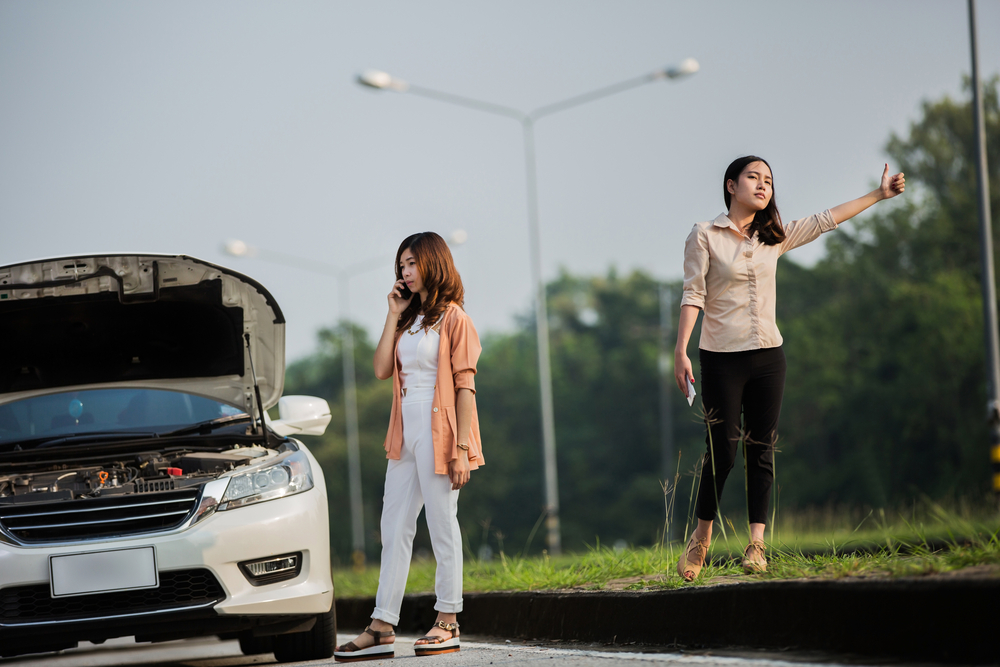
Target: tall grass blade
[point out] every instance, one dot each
(534, 529)
(715, 483)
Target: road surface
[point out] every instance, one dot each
(211, 652)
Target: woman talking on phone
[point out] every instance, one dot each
(729, 272)
(429, 347)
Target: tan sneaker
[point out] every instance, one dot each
(692, 559)
(753, 558)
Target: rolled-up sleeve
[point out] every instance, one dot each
(465, 351)
(802, 231)
(695, 268)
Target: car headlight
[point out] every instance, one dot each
(287, 476)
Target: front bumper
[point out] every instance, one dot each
(215, 546)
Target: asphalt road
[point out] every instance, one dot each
(215, 653)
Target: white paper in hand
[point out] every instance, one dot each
(691, 392)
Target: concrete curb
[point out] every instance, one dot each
(934, 619)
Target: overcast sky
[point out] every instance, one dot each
(174, 126)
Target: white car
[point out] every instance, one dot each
(143, 490)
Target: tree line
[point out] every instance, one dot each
(884, 400)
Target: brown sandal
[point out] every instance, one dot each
(350, 652)
(437, 645)
(688, 568)
(753, 558)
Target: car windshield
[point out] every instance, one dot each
(106, 411)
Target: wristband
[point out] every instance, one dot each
(464, 447)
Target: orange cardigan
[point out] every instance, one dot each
(457, 357)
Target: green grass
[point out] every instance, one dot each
(925, 539)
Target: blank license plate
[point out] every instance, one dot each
(103, 571)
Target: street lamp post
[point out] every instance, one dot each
(343, 277)
(383, 81)
(666, 368)
(986, 259)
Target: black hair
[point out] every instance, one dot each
(767, 222)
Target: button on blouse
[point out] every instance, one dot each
(732, 278)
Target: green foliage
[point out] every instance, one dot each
(604, 359)
(886, 382)
(604, 340)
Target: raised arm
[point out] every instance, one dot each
(890, 187)
(385, 351)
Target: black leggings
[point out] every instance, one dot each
(732, 383)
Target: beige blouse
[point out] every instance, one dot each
(731, 278)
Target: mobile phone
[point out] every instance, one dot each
(405, 292)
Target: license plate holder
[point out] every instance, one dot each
(91, 572)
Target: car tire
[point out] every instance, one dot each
(251, 645)
(316, 644)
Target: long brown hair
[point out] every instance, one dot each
(767, 222)
(439, 275)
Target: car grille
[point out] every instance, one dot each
(90, 518)
(178, 590)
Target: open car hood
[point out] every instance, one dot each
(139, 320)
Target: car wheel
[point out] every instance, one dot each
(315, 644)
(250, 645)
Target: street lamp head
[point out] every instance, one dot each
(687, 67)
(374, 78)
(458, 237)
(238, 248)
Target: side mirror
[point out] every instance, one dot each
(301, 415)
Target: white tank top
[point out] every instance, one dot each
(418, 356)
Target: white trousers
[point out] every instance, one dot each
(410, 483)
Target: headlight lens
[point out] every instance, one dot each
(290, 475)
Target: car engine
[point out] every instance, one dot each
(143, 473)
